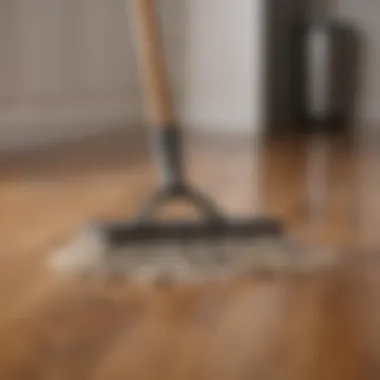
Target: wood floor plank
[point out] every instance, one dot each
(318, 327)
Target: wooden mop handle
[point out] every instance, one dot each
(153, 64)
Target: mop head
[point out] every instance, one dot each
(90, 254)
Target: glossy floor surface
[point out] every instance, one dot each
(322, 326)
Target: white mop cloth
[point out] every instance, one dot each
(187, 262)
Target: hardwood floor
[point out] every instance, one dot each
(325, 326)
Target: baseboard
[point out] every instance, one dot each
(215, 120)
(41, 124)
(216, 131)
(34, 125)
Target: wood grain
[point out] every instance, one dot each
(325, 326)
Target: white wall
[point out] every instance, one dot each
(224, 78)
(65, 69)
(68, 68)
(365, 15)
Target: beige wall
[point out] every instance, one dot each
(225, 68)
(65, 69)
(68, 67)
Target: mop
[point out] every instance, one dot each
(146, 249)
